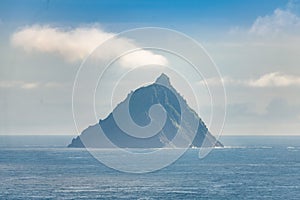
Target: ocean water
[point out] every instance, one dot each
(247, 168)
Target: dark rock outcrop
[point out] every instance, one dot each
(139, 103)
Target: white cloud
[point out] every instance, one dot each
(75, 44)
(19, 84)
(217, 81)
(281, 21)
(30, 85)
(274, 79)
(143, 57)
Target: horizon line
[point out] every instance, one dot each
(287, 135)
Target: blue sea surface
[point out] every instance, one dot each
(247, 168)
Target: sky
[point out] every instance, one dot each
(255, 45)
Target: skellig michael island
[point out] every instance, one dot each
(140, 101)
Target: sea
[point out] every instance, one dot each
(248, 167)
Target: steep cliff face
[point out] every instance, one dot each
(136, 108)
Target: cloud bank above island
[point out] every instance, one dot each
(75, 44)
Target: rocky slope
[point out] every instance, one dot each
(139, 103)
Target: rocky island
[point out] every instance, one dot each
(162, 93)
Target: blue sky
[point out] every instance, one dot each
(254, 43)
(218, 12)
